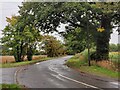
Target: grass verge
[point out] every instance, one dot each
(82, 66)
(10, 87)
(16, 64)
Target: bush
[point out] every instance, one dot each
(113, 48)
(75, 62)
(114, 57)
(85, 53)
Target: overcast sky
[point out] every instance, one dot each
(11, 8)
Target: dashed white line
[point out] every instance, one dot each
(57, 76)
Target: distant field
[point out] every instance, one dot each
(9, 59)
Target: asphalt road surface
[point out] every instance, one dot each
(7, 75)
(54, 74)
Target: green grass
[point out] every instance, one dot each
(16, 64)
(75, 62)
(82, 65)
(100, 71)
(85, 53)
(10, 87)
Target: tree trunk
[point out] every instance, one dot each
(29, 53)
(103, 38)
(21, 51)
(17, 56)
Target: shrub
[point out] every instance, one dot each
(85, 53)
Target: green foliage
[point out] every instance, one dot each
(75, 41)
(75, 62)
(113, 48)
(47, 16)
(85, 53)
(114, 57)
(53, 47)
(12, 38)
(21, 38)
(107, 13)
(100, 71)
(82, 66)
(10, 87)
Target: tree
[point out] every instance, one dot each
(75, 40)
(107, 15)
(21, 38)
(48, 16)
(52, 46)
(31, 38)
(12, 38)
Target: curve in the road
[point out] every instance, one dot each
(54, 74)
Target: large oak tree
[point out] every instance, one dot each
(47, 16)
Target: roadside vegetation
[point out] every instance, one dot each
(10, 87)
(107, 68)
(16, 64)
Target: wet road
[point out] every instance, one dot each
(54, 74)
(7, 75)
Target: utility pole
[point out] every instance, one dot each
(88, 44)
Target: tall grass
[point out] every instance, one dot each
(113, 63)
(80, 59)
(101, 68)
(85, 53)
(114, 57)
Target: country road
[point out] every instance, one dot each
(7, 75)
(54, 74)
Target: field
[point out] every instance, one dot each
(10, 59)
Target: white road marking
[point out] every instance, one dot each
(15, 75)
(58, 84)
(37, 63)
(58, 77)
(78, 81)
(51, 68)
(115, 83)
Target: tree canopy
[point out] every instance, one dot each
(21, 38)
(84, 21)
(53, 47)
(47, 16)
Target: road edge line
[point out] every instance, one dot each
(16, 74)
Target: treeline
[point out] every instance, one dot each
(48, 45)
(22, 40)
